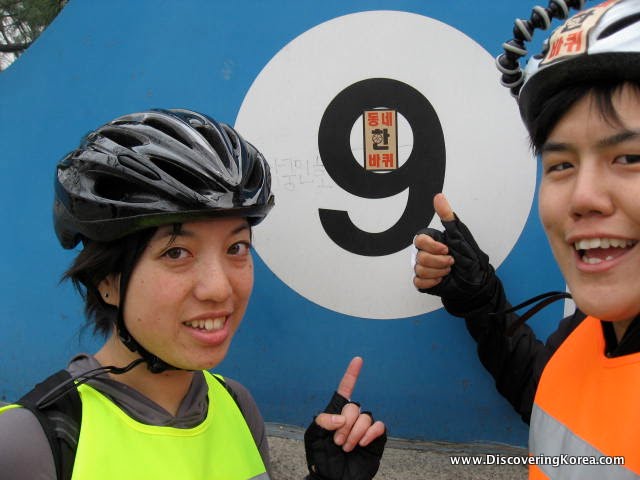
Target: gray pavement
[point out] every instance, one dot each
(402, 459)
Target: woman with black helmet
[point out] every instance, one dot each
(580, 101)
(163, 203)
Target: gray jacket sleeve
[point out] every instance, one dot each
(24, 449)
(253, 418)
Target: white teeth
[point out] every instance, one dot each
(580, 245)
(588, 243)
(209, 324)
(591, 261)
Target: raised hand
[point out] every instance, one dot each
(433, 261)
(344, 443)
(450, 264)
(352, 427)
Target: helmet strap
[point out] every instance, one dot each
(154, 363)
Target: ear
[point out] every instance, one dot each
(109, 289)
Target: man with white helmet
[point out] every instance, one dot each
(580, 101)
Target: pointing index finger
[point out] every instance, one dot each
(348, 382)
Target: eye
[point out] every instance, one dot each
(557, 167)
(628, 159)
(240, 249)
(176, 253)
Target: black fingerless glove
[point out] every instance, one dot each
(472, 281)
(327, 461)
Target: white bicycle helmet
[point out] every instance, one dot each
(598, 43)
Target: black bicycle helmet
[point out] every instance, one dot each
(598, 43)
(154, 168)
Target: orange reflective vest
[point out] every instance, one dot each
(586, 413)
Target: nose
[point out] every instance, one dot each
(591, 193)
(212, 282)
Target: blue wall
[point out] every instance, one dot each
(99, 60)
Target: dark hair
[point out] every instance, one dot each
(556, 106)
(94, 263)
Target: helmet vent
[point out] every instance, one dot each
(619, 25)
(167, 130)
(232, 135)
(216, 141)
(179, 174)
(120, 137)
(255, 178)
(138, 167)
(119, 189)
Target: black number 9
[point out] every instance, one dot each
(422, 173)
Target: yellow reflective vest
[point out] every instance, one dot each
(113, 446)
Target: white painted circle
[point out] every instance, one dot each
(490, 173)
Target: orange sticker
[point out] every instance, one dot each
(380, 139)
(571, 38)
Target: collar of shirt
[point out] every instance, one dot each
(629, 343)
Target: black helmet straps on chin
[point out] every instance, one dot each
(134, 250)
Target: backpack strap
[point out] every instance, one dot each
(230, 391)
(60, 421)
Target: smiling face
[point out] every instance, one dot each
(589, 204)
(187, 295)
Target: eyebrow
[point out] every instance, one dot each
(611, 141)
(619, 138)
(549, 147)
(170, 231)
